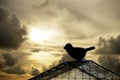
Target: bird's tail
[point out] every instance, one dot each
(90, 48)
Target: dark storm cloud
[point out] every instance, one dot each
(9, 64)
(9, 59)
(15, 70)
(109, 50)
(111, 62)
(3, 13)
(2, 76)
(34, 71)
(11, 33)
(2, 64)
(110, 46)
(3, 2)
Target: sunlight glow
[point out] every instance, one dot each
(40, 35)
(43, 57)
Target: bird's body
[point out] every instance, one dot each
(76, 52)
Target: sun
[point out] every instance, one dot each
(40, 35)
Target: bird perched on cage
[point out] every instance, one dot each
(76, 52)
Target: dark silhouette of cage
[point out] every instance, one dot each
(78, 70)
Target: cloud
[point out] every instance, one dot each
(93, 18)
(111, 62)
(73, 23)
(11, 32)
(3, 13)
(9, 59)
(14, 63)
(2, 64)
(3, 2)
(15, 70)
(36, 50)
(34, 71)
(9, 64)
(100, 11)
(110, 46)
(3, 77)
(78, 19)
(109, 52)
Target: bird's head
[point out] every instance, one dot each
(68, 46)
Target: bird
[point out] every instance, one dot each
(77, 53)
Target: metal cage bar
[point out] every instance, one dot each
(88, 67)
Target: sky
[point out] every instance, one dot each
(34, 32)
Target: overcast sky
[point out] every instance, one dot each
(80, 22)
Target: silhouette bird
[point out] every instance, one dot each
(76, 52)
